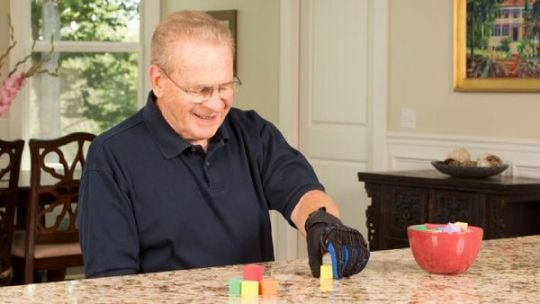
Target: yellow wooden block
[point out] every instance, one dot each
(326, 272)
(250, 289)
(326, 285)
(463, 226)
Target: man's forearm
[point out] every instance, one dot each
(310, 202)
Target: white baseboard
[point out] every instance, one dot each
(416, 151)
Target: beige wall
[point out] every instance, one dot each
(420, 70)
(4, 36)
(258, 49)
(420, 77)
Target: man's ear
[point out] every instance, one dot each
(156, 80)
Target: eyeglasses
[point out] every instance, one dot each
(203, 94)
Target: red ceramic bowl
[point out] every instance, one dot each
(445, 253)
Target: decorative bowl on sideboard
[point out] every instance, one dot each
(468, 172)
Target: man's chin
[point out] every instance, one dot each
(206, 135)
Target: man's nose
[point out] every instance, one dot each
(215, 101)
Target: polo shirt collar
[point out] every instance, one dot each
(169, 143)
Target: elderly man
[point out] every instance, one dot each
(188, 181)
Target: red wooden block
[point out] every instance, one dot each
(253, 272)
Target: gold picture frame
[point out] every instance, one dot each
(463, 81)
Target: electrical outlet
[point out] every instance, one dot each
(408, 118)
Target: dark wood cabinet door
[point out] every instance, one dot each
(402, 207)
(454, 206)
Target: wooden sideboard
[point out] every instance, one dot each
(505, 206)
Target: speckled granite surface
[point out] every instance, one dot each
(506, 271)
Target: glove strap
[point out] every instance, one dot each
(320, 216)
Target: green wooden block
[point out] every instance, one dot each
(235, 287)
(420, 227)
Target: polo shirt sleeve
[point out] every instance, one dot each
(286, 173)
(107, 229)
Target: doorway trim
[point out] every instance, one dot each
(287, 240)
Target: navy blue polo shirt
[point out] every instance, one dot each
(150, 201)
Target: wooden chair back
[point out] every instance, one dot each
(10, 165)
(56, 166)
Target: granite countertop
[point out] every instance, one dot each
(506, 270)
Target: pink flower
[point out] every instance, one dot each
(12, 84)
(9, 89)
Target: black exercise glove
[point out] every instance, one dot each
(347, 247)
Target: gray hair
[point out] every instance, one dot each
(186, 24)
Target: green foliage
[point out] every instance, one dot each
(531, 26)
(526, 49)
(484, 66)
(99, 89)
(480, 17)
(116, 75)
(89, 20)
(534, 33)
(529, 68)
(504, 46)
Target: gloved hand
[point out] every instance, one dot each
(347, 247)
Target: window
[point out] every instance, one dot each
(516, 13)
(505, 29)
(497, 30)
(100, 55)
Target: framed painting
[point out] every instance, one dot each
(228, 18)
(497, 45)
